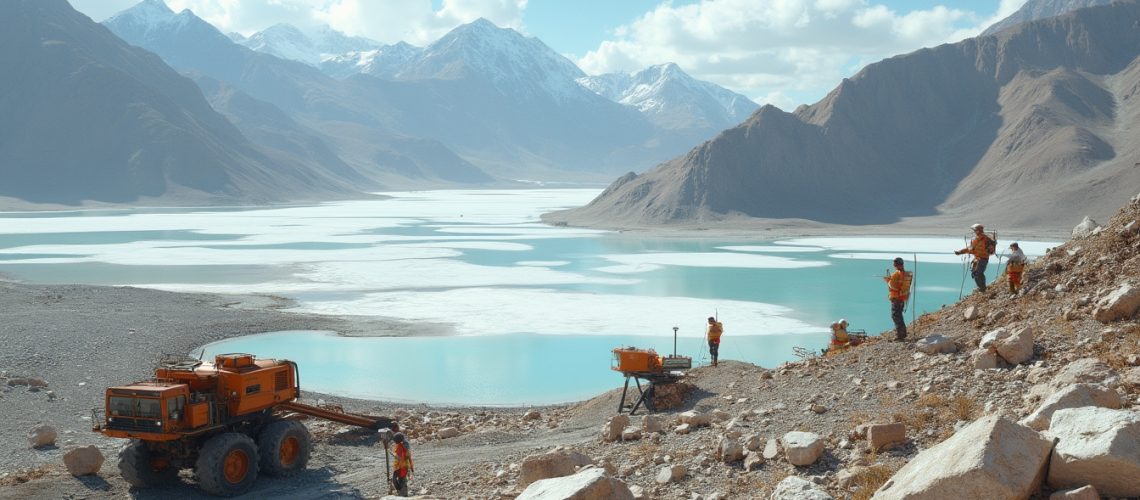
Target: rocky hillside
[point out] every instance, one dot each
(1041, 9)
(996, 375)
(1024, 128)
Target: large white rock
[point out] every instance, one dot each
(696, 419)
(992, 458)
(729, 450)
(1013, 345)
(802, 448)
(1081, 371)
(1073, 396)
(83, 461)
(652, 423)
(555, 463)
(1085, 228)
(612, 429)
(671, 473)
(936, 344)
(798, 488)
(984, 359)
(42, 435)
(1084, 493)
(1121, 303)
(589, 484)
(1097, 446)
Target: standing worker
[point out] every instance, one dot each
(714, 332)
(1015, 267)
(981, 247)
(898, 291)
(403, 466)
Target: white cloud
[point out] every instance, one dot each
(774, 50)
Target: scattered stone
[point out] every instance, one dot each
(819, 409)
(771, 449)
(555, 463)
(588, 484)
(83, 461)
(652, 423)
(631, 434)
(1084, 493)
(670, 474)
(1097, 446)
(936, 344)
(532, 415)
(638, 492)
(984, 359)
(798, 488)
(42, 435)
(447, 432)
(1121, 303)
(612, 429)
(991, 458)
(1085, 228)
(752, 442)
(696, 419)
(719, 415)
(1014, 346)
(1073, 396)
(729, 450)
(752, 461)
(883, 436)
(971, 313)
(802, 448)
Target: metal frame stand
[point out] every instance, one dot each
(644, 395)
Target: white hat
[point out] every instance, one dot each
(843, 322)
(976, 227)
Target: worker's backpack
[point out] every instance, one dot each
(904, 287)
(991, 244)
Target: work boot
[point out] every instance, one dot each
(714, 361)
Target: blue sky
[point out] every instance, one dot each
(782, 52)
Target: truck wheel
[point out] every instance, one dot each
(140, 466)
(227, 464)
(285, 447)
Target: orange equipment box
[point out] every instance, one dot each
(631, 359)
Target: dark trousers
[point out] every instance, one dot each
(401, 483)
(897, 316)
(714, 348)
(979, 273)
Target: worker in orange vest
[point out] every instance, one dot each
(715, 330)
(839, 337)
(979, 248)
(1016, 267)
(898, 291)
(403, 466)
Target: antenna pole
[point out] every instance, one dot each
(675, 341)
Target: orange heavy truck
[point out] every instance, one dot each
(228, 420)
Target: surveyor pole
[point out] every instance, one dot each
(914, 290)
(675, 341)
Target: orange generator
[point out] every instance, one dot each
(227, 420)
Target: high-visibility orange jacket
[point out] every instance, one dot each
(715, 331)
(839, 335)
(1017, 262)
(977, 248)
(403, 460)
(898, 285)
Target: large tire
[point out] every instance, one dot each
(285, 447)
(227, 465)
(142, 467)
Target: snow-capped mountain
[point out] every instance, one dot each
(384, 62)
(147, 20)
(673, 99)
(520, 66)
(288, 42)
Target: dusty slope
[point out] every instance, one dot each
(1025, 128)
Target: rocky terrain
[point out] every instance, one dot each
(996, 375)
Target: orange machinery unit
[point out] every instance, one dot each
(632, 359)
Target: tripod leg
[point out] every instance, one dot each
(621, 404)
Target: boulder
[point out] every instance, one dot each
(83, 461)
(1014, 346)
(719, 415)
(683, 429)
(555, 463)
(638, 492)
(1084, 493)
(802, 448)
(631, 434)
(1081, 371)
(992, 458)
(612, 429)
(984, 359)
(652, 423)
(1121, 303)
(729, 450)
(753, 442)
(447, 432)
(1097, 446)
(936, 344)
(589, 484)
(798, 488)
(42, 435)
(1085, 228)
(671, 474)
(883, 436)
(532, 415)
(753, 460)
(771, 449)
(1073, 396)
(695, 418)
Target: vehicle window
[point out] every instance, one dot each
(135, 407)
(175, 407)
(253, 389)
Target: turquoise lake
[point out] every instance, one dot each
(533, 310)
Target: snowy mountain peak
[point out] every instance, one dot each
(672, 97)
(289, 42)
(145, 13)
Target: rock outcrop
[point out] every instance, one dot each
(1074, 396)
(1097, 446)
(589, 484)
(555, 463)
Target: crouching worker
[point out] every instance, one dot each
(840, 340)
(1016, 267)
(403, 466)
